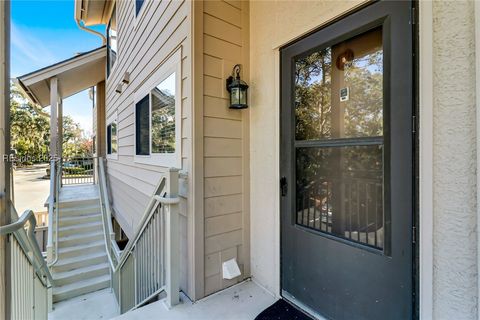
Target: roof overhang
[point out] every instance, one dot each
(74, 75)
(93, 12)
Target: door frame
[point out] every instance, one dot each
(422, 88)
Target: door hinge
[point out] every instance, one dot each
(412, 15)
(414, 124)
(283, 186)
(414, 234)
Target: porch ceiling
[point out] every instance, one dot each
(74, 75)
(93, 12)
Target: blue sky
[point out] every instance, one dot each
(45, 32)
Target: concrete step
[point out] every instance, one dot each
(80, 210)
(88, 227)
(80, 274)
(74, 251)
(79, 239)
(81, 261)
(81, 287)
(80, 219)
(78, 203)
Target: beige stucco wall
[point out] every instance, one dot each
(454, 154)
(454, 161)
(273, 24)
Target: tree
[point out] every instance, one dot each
(30, 132)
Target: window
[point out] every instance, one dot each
(155, 120)
(112, 146)
(112, 41)
(138, 6)
(158, 116)
(339, 140)
(163, 116)
(142, 129)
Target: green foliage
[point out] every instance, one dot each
(30, 129)
(74, 170)
(30, 132)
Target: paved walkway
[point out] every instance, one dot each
(30, 189)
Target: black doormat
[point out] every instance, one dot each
(282, 310)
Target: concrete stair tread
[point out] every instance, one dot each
(80, 210)
(83, 283)
(71, 203)
(80, 287)
(80, 236)
(99, 243)
(80, 217)
(81, 225)
(79, 258)
(74, 272)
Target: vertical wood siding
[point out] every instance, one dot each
(144, 42)
(224, 36)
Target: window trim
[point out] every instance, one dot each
(172, 65)
(112, 119)
(109, 70)
(138, 17)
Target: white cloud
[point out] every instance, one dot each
(30, 47)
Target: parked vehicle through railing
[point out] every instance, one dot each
(78, 171)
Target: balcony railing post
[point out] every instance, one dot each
(172, 240)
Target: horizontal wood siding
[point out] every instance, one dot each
(144, 43)
(224, 141)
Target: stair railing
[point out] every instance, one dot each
(30, 276)
(53, 212)
(149, 264)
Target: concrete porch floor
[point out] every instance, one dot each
(243, 301)
(92, 306)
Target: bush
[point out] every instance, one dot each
(74, 170)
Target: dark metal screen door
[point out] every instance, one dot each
(347, 166)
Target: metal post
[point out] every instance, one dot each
(172, 261)
(53, 117)
(60, 137)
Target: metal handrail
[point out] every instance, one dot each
(162, 196)
(152, 206)
(108, 229)
(16, 228)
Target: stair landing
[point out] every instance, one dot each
(71, 193)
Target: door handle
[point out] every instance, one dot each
(283, 186)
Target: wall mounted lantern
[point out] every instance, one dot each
(238, 89)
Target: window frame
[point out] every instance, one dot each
(138, 17)
(138, 11)
(111, 120)
(172, 65)
(109, 69)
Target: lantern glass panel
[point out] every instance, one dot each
(235, 95)
(243, 96)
